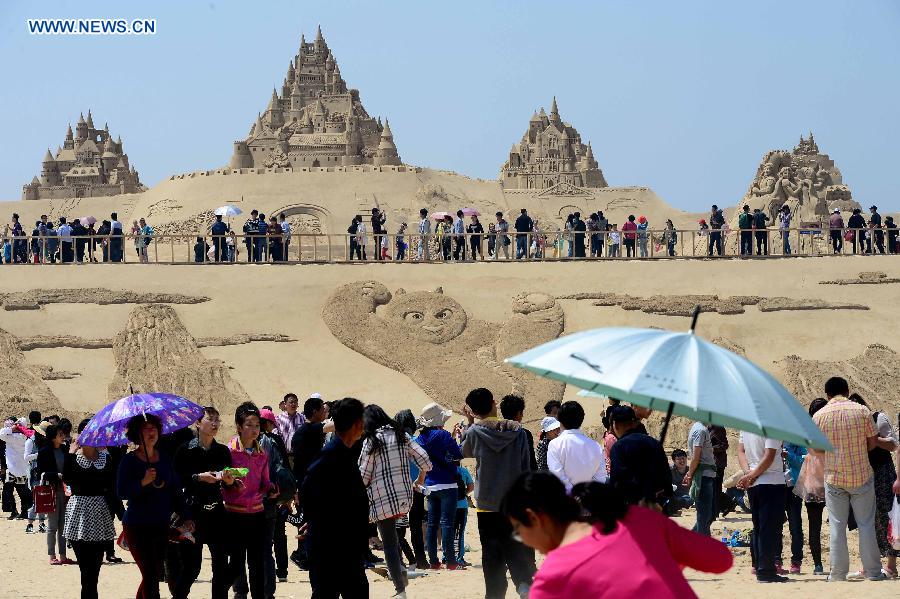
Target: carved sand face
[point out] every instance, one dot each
(784, 173)
(768, 169)
(427, 316)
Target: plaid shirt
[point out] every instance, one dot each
(847, 425)
(287, 426)
(385, 473)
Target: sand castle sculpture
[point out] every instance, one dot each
(88, 164)
(315, 121)
(804, 179)
(550, 153)
(428, 336)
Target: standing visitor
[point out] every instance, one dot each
(424, 252)
(13, 436)
(578, 230)
(50, 465)
(623, 552)
(745, 224)
(262, 244)
(384, 465)
(893, 248)
(603, 227)
(466, 484)
(276, 506)
(475, 231)
(642, 227)
(492, 239)
(760, 221)
(794, 456)
(857, 226)
(836, 227)
(875, 229)
(290, 420)
(881, 460)
(639, 469)
(446, 236)
(65, 241)
(784, 225)
(716, 222)
(33, 445)
(524, 226)
(502, 244)
(670, 237)
(512, 407)
(336, 508)
(550, 429)
(501, 455)
(459, 237)
(573, 456)
(90, 474)
(378, 230)
(116, 239)
(251, 233)
(400, 242)
(276, 240)
(440, 483)
(285, 237)
(614, 242)
(219, 231)
(629, 236)
(810, 488)
(849, 480)
(362, 238)
(407, 420)
(79, 234)
(200, 465)
(719, 439)
(760, 458)
(702, 475)
(147, 481)
(244, 510)
(593, 228)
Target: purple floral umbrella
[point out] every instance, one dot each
(107, 428)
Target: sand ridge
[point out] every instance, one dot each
(683, 305)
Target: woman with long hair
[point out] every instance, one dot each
(245, 512)
(89, 516)
(33, 445)
(147, 481)
(50, 462)
(810, 487)
(407, 420)
(384, 460)
(619, 551)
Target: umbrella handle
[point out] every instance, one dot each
(695, 316)
(665, 428)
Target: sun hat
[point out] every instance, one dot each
(434, 415)
(41, 428)
(549, 423)
(315, 396)
(642, 219)
(267, 414)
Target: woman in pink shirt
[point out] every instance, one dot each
(627, 552)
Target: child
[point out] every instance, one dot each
(492, 238)
(465, 485)
(401, 244)
(614, 239)
(231, 246)
(7, 251)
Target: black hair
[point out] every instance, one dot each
(540, 492)
(136, 423)
(83, 424)
(248, 408)
(836, 386)
(459, 213)
(602, 504)
(407, 420)
(375, 418)
(548, 407)
(266, 407)
(66, 426)
(34, 417)
(114, 215)
(571, 415)
(209, 411)
(480, 400)
(621, 414)
(288, 396)
(218, 217)
(817, 404)
(52, 431)
(511, 406)
(311, 406)
(679, 453)
(500, 214)
(631, 217)
(576, 215)
(423, 211)
(857, 398)
(347, 412)
(524, 211)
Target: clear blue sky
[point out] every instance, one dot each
(684, 97)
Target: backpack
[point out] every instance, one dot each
(353, 228)
(745, 220)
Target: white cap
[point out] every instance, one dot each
(835, 209)
(549, 423)
(315, 396)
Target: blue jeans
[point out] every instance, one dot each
(786, 241)
(441, 509)
(521, 246)
(706, 504)
(462, 514)
(838, 501)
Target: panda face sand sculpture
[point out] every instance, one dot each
(427, 336)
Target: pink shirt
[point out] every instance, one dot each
(629, 226)
(643, 557)
(248, 497)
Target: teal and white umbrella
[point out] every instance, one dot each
(676, 373)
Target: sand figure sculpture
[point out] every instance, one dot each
(88, 164)
(22, 386)
(156, 352)
(804, 179)
(550, 154)
(865, 278)
(683, 305)
(314, 120)
(428, 336)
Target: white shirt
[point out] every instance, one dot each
(65, 233)
(755, 449)
(286, 229)
(424, 226)
(15, 452)
(576, 458)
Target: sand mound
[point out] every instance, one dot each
(33, 299)
(865, 278)
(22, 387)
(428, 336)
(683, 305)
(155, 352)
(874, 374)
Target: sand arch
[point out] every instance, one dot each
(298, 210)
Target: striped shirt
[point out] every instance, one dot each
(847, 425)
(287, 426)
(385, 473)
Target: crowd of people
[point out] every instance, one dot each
(448, 238)
(348, 478)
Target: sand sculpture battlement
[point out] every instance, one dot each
(317, 169)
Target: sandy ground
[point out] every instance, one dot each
(23, 559)
(290, 299)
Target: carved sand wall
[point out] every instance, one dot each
(683, 305)
(428, 336)
(33, 299)
(865, 278)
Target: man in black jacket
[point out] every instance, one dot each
(638, 464)
(219, 230)
(336, 508)
(524, 226)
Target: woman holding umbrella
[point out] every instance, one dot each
(147, 481)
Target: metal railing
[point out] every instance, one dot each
(413, 248)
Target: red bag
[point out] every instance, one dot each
(44, 499)
(848, 236)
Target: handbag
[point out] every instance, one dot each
(44, 498)
(848, 236)
(810, 485)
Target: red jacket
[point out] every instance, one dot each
(629, 226)
(248, 497)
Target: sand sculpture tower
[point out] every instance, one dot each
(550, 153)
(314, 120)
(804, 179)
(88, 164)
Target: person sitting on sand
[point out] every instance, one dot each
(682, 498)
(624, 552)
